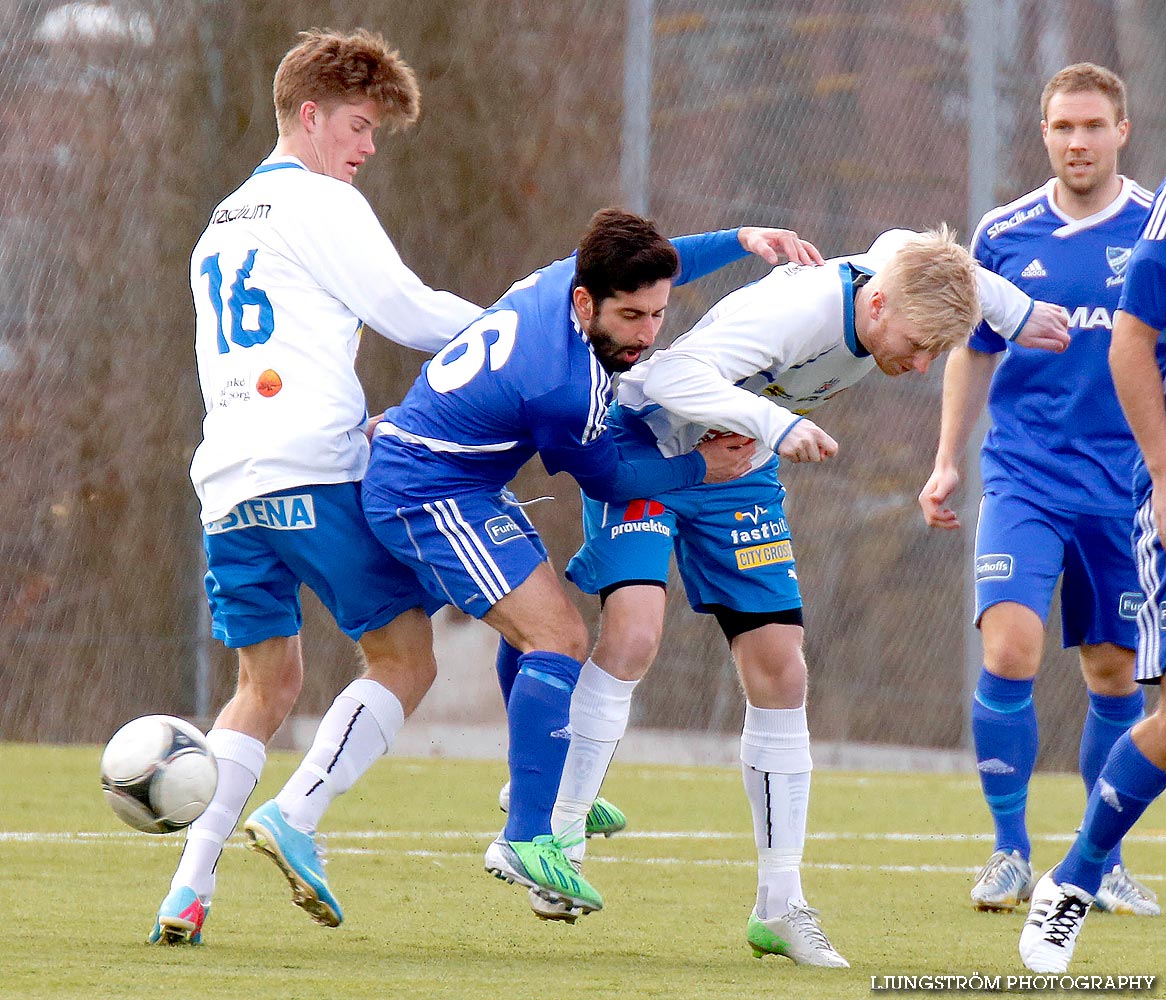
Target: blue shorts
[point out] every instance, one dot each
(259, 554)
(1022, 548)
(731, 540)
(470, 550)
(1151, 562)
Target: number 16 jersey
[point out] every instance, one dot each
(288, 268)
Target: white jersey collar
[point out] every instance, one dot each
(1072, 225)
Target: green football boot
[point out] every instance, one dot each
(796, 935)
(604, 819)
(541, 865)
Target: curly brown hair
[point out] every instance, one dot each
(329, 66)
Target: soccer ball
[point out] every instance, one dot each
(158, 774)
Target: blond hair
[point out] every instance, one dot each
(931, 282)
(329, 66)
(1085, 76)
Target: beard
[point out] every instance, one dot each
(608, 350)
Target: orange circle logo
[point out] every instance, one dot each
(269, 383)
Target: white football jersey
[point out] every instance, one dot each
(772, 351)
(288, 268)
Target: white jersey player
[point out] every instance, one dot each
(288, 267)
(753, 366)
(280, 293)
(787, 339)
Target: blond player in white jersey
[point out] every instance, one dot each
(289, 269)
(753, 366)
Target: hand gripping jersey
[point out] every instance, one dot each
(285, 272)
(520, 379)
(1058, 434)
(772, 351)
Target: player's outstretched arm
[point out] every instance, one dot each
(703, 253)
(771, 245)
(965, 391)
(805, 441)
(1047, 328)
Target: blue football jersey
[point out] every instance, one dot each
(1144, 295)
(1058, 433)
(520, 379)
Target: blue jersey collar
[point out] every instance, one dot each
(853, 278)
(278, 163)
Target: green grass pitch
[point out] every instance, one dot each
(889, 862)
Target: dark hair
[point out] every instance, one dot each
(622, 252)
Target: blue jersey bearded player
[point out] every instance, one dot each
(754, 366)
(533, 374)
(1056, 467)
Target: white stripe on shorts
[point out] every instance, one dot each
(468, 548)
(1147, 552)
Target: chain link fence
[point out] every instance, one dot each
(125, 122)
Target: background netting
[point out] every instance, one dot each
(123, 123)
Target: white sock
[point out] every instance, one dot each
(240, 758)
(600, 706)
(356, 731)
(775, 768)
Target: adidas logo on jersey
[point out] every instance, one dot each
(1034, 269)
(995, 766)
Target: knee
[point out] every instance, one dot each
(627, 650)
(578, 643)
(1108, 670)
(567, 635)
(772, 667)
(1014, 639)
(1012, 657)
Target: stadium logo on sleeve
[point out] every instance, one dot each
(1015, 219)
(502, 529)
(997, 566)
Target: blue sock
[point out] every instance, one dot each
(1005, 732)
(506, 664)
(1108, 717)
(1126, 786)
(539, 713)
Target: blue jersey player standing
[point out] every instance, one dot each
(1134, 774)
(533, 375)
(1056, 470)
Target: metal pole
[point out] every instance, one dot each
(983, 174)
(636, 141)
(213, 61)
